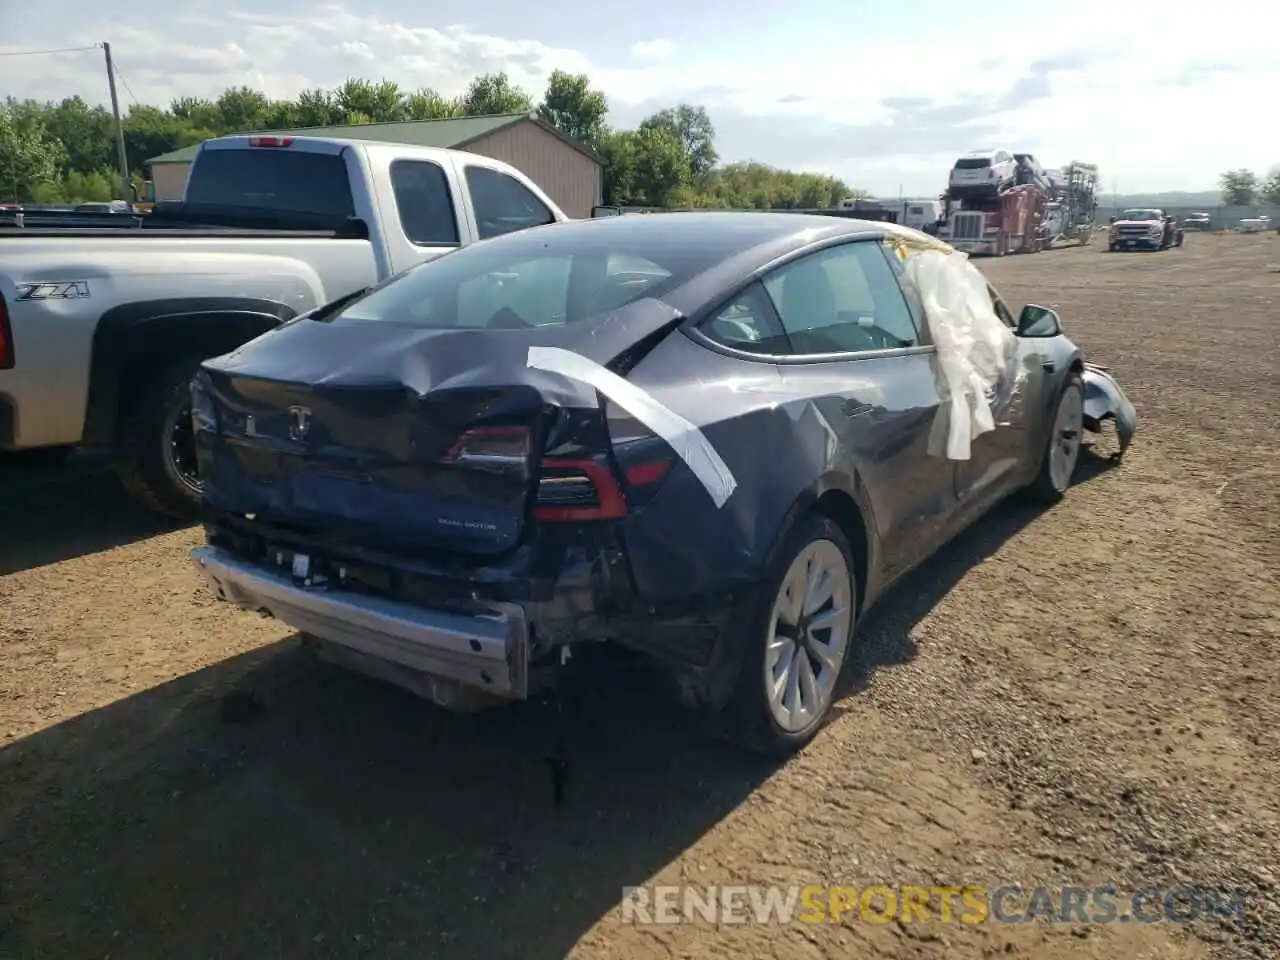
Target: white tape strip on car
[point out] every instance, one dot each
(685, 439)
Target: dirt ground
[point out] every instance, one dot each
(1088, 695)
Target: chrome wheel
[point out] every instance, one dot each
(808, 636)
(1064, 444)
(180, 447)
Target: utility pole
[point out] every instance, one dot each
(115, 110)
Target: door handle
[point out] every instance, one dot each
(853, 408)
(1049, 366)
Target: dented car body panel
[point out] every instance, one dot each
(382, 484)
(1105, 400)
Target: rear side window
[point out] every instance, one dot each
(424, 202)
(272, 178)
(844, 299)
(503, 204)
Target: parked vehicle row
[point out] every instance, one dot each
(102, 327)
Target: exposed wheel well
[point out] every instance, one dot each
(838, 506)
(130, 345)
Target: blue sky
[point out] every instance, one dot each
(884, 95)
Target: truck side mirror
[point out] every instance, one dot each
(605, 211)
(1114, 219)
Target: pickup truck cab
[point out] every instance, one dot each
(102, 328)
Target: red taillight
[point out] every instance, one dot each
(575, 491)
(271, 141)
(646, 474)
(6, 338)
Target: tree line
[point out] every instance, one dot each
(1244, 188)
(66, 151)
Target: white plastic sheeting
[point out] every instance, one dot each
(977, 353)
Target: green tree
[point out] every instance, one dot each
(1239, 187)
(86, 133)
(669, 161)
(618, 147)
(1270, 190)
(199, 112)
(242, 109)
(382, 101)
(316, 108)
(573, 108)
(428, 104)
(662, 167)
(151, 131)
(492, 93)
(29, 157)
(693, 128)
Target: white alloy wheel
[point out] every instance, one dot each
(808, 636)
(1064, 444)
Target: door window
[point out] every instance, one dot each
(503, 204)
(845, 299)
(424, 202)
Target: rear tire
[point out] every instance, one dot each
(1062, 445)
(798, 629)
(155, 422)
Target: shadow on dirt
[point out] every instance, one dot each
(52, 510)
(345, 818)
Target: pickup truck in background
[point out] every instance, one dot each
(102, 327)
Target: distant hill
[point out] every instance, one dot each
(1173, 198)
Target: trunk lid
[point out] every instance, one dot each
(404, 437)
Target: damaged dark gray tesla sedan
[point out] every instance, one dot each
(713, 438)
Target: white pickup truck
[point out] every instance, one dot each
(102, 328)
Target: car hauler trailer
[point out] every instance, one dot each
(1009, 223)
(1077, 197)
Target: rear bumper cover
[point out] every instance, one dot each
(487, 651)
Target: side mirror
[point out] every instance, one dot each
(1039, 322)
(605, 211)
(1114, 219)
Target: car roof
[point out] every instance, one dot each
(725, 233)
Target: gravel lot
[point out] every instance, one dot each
(1087, 695)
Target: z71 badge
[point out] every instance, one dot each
(60, 290)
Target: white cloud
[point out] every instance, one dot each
(652, 49)
(897, 114)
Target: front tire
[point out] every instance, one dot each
(798, 629)
(156, 454)
(1062, 446)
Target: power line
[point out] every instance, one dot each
(115, 66)
(41, 53)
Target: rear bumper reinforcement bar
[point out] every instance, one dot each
(488, 651)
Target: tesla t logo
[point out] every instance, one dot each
(63, 290)
(299, 422)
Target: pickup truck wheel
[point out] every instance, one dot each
(798, 629)
(156, 453)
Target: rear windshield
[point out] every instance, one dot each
(973, 163)
(272, 178)
(546, 276)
